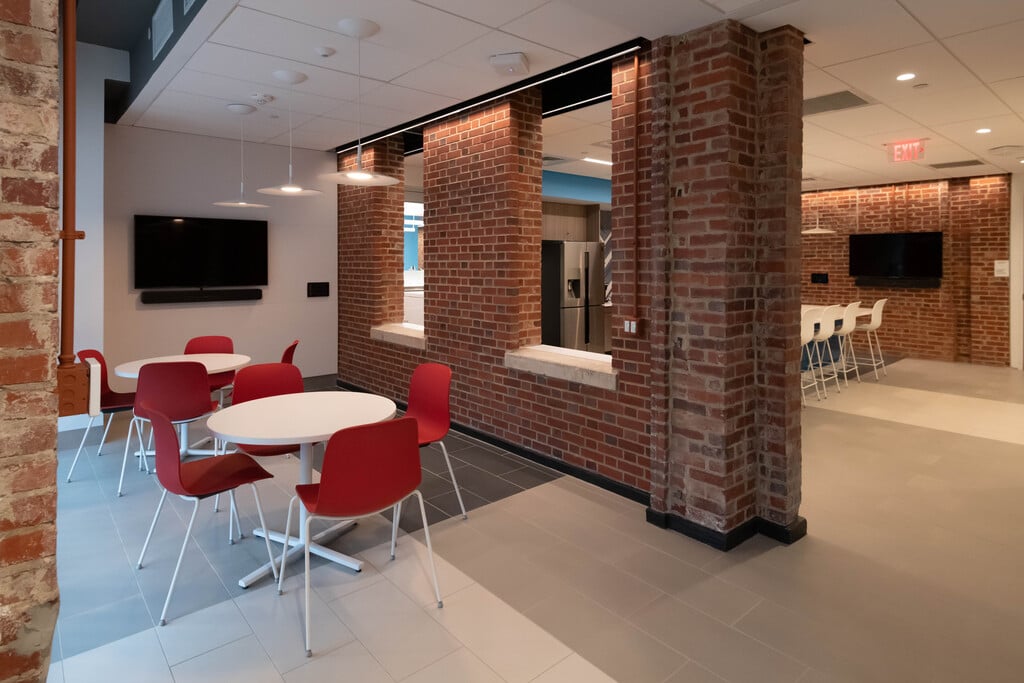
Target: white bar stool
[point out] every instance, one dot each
(870, 329)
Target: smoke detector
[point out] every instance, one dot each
(261, 98)
(510, 63)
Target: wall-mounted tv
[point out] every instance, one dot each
(896, 255)
(178, 251)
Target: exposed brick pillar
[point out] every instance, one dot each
(370, 243)
(28, 335)
(482, 215)
(777, 296)
(732, 223)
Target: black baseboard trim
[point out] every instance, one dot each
(589, 476)
(728, 540)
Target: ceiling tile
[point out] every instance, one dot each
(860, 121)
(950, 17)
(235, 90)
(476, 54)
(947, 106)
(875, 76)
(548, 24)
(450, 81)
(404, 25)
(995, 54)
(1011, 91)
(1006, 130)
(416, 102)
(841, 30)
(818, 82)
(492, 14)
(650, 19)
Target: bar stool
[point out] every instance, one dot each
(807, 322)
(822, 336)
(847, 356)
(870, 329)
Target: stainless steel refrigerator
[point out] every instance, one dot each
(572, 295)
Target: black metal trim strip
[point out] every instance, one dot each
(727, 540)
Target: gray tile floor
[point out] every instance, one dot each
(104, 598)
(910, 571)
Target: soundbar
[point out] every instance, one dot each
(188, 296)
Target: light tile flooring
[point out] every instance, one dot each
(910, 572)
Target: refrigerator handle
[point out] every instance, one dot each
(586, 297)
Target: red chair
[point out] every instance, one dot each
(178, 390)
(260, 381)
(367, 469)
(194, 481)
(289, 353)
(110, 402)
(428, 403)
(219, 381)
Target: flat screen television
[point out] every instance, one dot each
(177, 251)
(896, 255)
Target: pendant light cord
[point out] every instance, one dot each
(241, 158)
(359, 104)
(290, 94)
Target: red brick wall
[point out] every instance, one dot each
(706, 412)
(968, 317)
(28, 335)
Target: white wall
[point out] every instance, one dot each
(163, 173)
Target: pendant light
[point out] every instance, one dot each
(359, 29)
(817, 229)
(240, 203)
(289, 189)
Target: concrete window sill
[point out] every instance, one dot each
(402, 334)
(582, 367)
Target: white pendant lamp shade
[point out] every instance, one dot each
(290, 188)
(359, 28)
(241, 203)
(817, 229)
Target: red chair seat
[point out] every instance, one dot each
(210, 476)
(260, 451)
(117, 402)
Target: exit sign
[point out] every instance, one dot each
(908, 150)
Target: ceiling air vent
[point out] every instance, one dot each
(958, 164)
(844, 99)
(554, 161)
(1008, 151)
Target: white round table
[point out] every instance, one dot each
(302, 419)
(214, 362)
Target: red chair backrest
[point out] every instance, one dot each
(289, 353)
(210, 344)
(105, 389)
(165, 438)
(428, 400)
(181, 391)
(266, 379)
(369, 468)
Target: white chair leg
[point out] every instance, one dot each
(177, 567)
(821, 368)
(234, 514)
(263, 525)
(881, 359)
(430, 548)
(458, 493)
(309, 651)
(106, 430)
(852, 354)
(134, 425)
(284, 550)
(835, 371)
(152, 525)
(397, 512)
(80, 444)
(871, 350)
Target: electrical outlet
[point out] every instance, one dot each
(632, 327)
(625, 326)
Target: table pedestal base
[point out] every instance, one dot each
(315, 548)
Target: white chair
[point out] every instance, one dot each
(807, 321)
(870, 329)
(826, 329)
(847, 356)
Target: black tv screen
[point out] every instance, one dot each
(176, 251)
(896, 255)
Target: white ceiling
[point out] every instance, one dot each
(430, 54)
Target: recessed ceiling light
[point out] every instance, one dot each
(1022, 161)
(906, 77)
(983, 131)
(597, 161)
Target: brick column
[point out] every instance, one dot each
(28, 335)
(482, 218)
(732, 226)
(370, 244)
